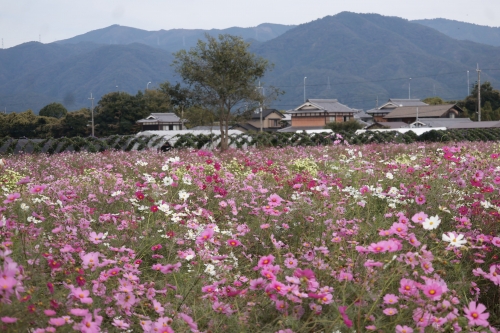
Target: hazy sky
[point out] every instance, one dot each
(24, 20)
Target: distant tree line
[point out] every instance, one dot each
(115, 113)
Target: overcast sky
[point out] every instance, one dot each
(24, 20)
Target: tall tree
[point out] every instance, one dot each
(55, 110)
(223, 73)
(118, 112)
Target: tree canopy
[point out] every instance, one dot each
(55, 110)
(490, 102)
(222, 73)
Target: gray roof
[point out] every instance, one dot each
(396, 103)
(362, 115)
(425, 111)
(302, 128)
(407, 102)
(322, 105)
(390, 124)
(458, 123)
(161, 118)
(265, 113)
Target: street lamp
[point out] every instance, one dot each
(147, 85)
(305, 88)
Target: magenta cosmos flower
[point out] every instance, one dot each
(476, 315)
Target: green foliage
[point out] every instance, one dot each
(54, 110)
(348, 126)
(434, 101)
(490, 102)
(222, 72)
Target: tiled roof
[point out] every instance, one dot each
(423, 111)
(390, 124)
(161, 118)
(266, 113)
(322, 105)
(407, 102)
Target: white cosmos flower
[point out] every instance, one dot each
(389, 175)
(454, 240)
(431, 222)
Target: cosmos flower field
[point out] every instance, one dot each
(384, 238)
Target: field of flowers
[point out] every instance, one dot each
(384, 238)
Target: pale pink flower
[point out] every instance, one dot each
(476, 314)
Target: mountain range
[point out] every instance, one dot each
(356, 58)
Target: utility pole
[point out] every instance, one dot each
(409, 89)
(260, 109)
(305, 88)
(468, 85)
(478, 93)
(92, 112)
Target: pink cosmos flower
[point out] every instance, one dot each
(12, 197)
(304, 274)
(79, 312)
(81, 295)
(222, 308)
(345, 318)
(432, 290)
(274, 200)
(49, 312)
(90, 260)
(419, 217)
(233, 242)
(265, 261)
(57, 321)
(476, 314)
(206, 235)
(8, 320)
(407, 287)
(390, 299)
(390, 311)
(403, 329)
(257, 284)
(120, 324)
(36, 189)
(291, 262)
(420, 200)
(189, 321)
(96, 238)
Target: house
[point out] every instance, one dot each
(409, 114)
(271, 121)
(161, 122)
(314, 114)
(380, 112)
